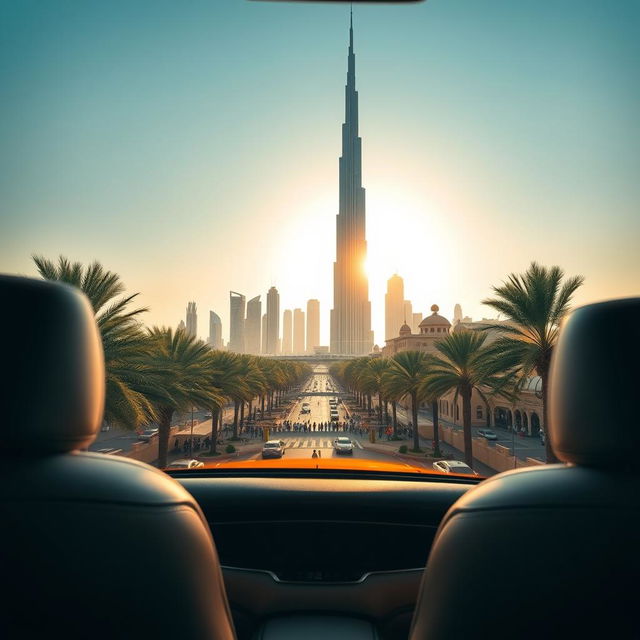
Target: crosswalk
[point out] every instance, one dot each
(314, 443)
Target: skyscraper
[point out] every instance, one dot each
(351, 314)
(253, 326)
(313, 325)
(273, 320)
(236, 322)
(407, 315)
(287, 332)
(415, 325)
(393, 307)
(192, 319)
(215, 330)
(298, 331)
(264, 333)
(457, 314)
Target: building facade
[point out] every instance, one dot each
(215, 330)
(253, 326)
(273, 321)
(287, 332)
(351, 314)
(313, 325)
(237, 304)
(192, 319)
(298, 332)
(393, 307)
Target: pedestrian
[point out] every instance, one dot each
(319, 453)
(314, 454)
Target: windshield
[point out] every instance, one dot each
(299, 222)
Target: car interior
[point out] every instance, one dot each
(97, 546)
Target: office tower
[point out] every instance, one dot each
(264, 333)
(215, 330)
(253, 326)
(407, 313)
(192, 319)
(181, 325)
(415, 323)
(298, 331)
(236, 322)
(287, 332)
(393, 307)
(273, 320)
(457, 314)
(313, 325)
(351, 314)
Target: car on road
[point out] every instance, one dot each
(454, 466)
(110, 451)
(273, 449)
(147, 434)
(343, 445)
(488, 434)
(185, 464)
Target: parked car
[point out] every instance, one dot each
(488, 434)
(273, 449)
(343, 445)
(185, 464)
(147, 434)
(454, 466)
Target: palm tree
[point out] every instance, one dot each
(534, 303)
(372, 378)
(123, 340)
(466, 366)
(180, 364)
(225, 374)
(404, 378)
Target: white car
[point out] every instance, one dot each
(343, 445)
(147, 434)
(454, 466)
(488, 434)
(185, 464)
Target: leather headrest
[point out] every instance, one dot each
(53, 394)
(593, 401)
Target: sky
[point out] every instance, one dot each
(192, 147)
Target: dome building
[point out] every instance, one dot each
(433, 327)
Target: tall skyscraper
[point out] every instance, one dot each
(407, 314)
(351, 314)
(236, 322)
(313, 325)
(264, 333)
(273, 320)
(415, 324)
(298, 331)
(192, 319)
(253, 326)
(215, 330)
(287, 332)
(457, 314)
(181, 325)
(393, 307)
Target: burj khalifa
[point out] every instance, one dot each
(351, 314)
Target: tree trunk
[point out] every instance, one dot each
(215, 421)
(369, 410)
(236, 410)
(551, 456)
(414, 414)
(466, 426)
(380, 407)
(394, 407)
(262, 407)
(436, 429)
(386, 412)
(164, 428)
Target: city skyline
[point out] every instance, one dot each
(472, 168)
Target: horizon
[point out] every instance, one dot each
(197, 153)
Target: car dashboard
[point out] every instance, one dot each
(324, 543)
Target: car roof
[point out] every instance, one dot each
(273, 442)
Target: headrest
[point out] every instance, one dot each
(53, 367)
(593, 401)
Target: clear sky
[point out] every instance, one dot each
(193, 146)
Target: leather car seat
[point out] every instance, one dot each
(553, 551)
(91, 545)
